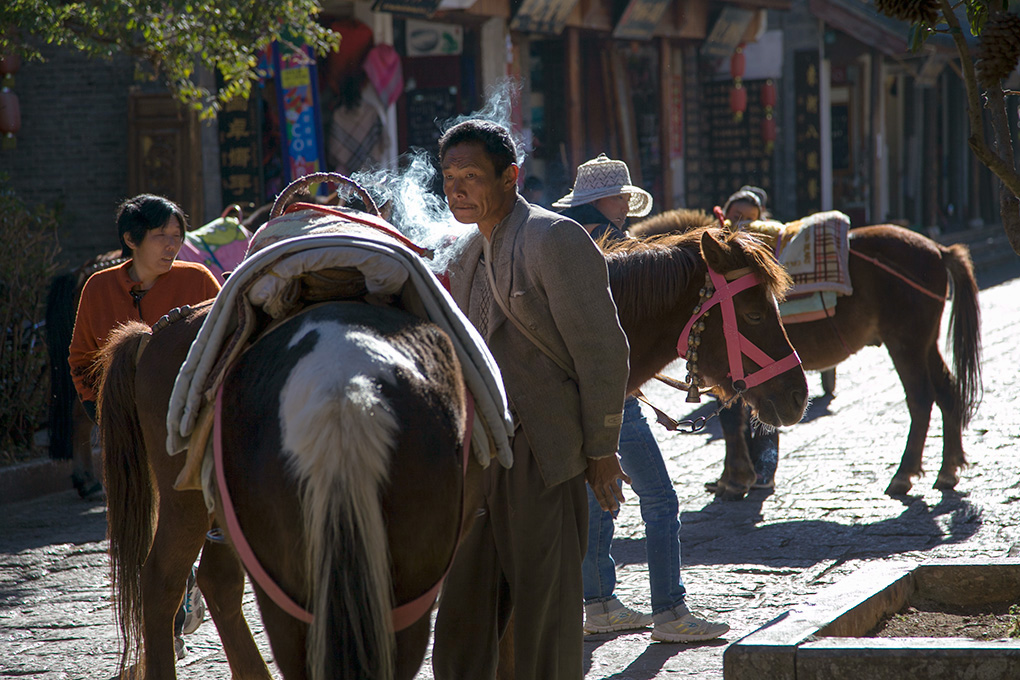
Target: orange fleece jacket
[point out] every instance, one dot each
(106, 302)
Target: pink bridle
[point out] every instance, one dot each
(736, 344)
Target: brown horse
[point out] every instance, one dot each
(347, 455)
(900, 280)
(279, 458)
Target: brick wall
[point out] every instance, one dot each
(72, 148)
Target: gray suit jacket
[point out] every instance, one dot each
(554, 280)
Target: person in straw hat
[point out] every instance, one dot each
(602, 199)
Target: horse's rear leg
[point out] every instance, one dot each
(913, 372)
(412, 643)
(738, 470)
(175, 545)
(221, 580)
(947, 398)
(288, 638)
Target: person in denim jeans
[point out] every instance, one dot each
(642, 460)
(601, 201)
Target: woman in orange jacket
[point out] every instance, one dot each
(150, 284)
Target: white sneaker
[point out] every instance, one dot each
(611, 616)
(193, 606)
(686, 627)
(179, 649)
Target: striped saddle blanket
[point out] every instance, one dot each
(815, 251)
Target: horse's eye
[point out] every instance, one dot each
(754, 317)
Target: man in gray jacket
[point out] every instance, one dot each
(564, 361)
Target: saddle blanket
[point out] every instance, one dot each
(815, 251)
(269, 278)
(810, 307)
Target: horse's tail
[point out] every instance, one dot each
(127, 477)
(964, 328)
(60, 311)
(340, 435)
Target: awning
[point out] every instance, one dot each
(862, 22)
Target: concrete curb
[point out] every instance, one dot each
(34, 478)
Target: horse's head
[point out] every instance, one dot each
(735, 341)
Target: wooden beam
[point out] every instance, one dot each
(665, 117)
(575, 101)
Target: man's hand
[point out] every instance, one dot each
(602, 475)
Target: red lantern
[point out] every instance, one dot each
(738, 102)
(10, 117)
(737, 62)
(9, 64)
(768, 130)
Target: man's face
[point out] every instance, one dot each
(475, 193)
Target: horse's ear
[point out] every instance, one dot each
(714, 251)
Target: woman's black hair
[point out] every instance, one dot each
(139, 215)
(756, 196)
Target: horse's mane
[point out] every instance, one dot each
(673, 222)
(665, 264)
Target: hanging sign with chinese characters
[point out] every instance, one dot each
(239, 151)
(808, 141)
(297, 96)
(640, 19)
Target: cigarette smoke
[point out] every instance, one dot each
(411, 197)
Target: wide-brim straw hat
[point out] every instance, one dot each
(601, 178)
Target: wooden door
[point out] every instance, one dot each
(164, 153)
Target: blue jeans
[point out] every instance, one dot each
(641, 459)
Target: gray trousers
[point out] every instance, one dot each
(523, 556)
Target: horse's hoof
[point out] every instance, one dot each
(898, 487)
(725, 491)
(946, 481)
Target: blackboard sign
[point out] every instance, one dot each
(426, 110)
(731, 153)
(807, 142)
(841, 159)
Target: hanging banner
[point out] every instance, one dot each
(297, 97)
(640, 19)
(240, 176)
(542, 16)
(808, 140)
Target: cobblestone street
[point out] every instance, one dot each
(743, 562)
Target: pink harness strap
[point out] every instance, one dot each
(736, 344)
(900, 276)
(403, 615)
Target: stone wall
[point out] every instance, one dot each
(72, 148)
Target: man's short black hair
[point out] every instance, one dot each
(494, 138)
(139, 215)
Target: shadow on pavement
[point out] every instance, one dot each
(650, 662)
(817, 408)
(52, 519)
(732, 533)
